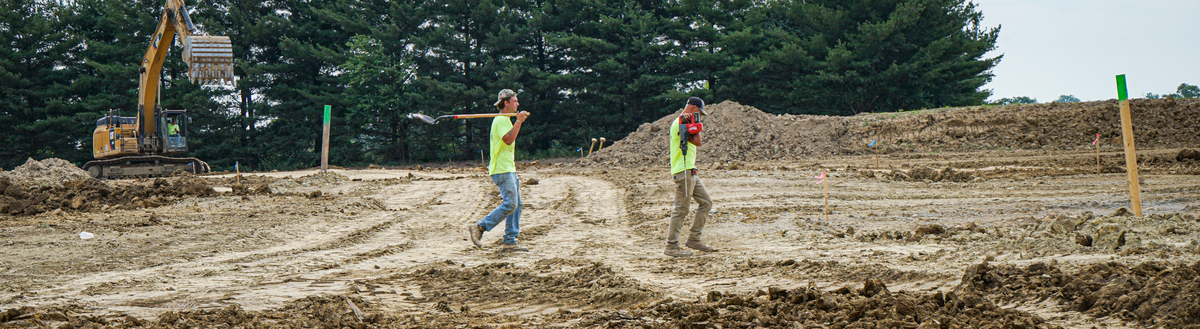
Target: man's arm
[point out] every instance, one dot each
(511, 136)
(695, 139)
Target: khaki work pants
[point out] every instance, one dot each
(680, 211)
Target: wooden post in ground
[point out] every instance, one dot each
(876, 151)
(1096, 145)
(1130, 152)
(825, 186)
(325, 143)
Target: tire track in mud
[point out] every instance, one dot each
(742, 225)
(261, 279)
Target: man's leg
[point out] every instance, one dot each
(507, 206)
(701, 196)
(512, 223)
(679, 211)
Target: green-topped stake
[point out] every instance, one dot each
(1130, 152)
(325, 143)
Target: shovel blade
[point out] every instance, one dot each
(422, 117)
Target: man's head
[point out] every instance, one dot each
(697, 103)
(506, 98)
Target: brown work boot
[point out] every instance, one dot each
(512, 247)
(676, 252)
(476, 234)
(696, 244)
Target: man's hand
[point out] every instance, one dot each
(511, 136)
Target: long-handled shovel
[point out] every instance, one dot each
(434, 121)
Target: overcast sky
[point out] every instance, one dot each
(1078, 47)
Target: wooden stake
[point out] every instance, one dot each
(1097, 147)
(825, 186)
(325, 143)
(1130, 152)
(590, 147)
(872, 145)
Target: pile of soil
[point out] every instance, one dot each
(1120, 231)
(52, 172)
(871, 306)
(95, 195)
(733, 133)
(605, 298)
(924, 173)
(319, 179)
(588, 284)
(736, 133)
(1153, 293)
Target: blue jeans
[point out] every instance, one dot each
(509, 210)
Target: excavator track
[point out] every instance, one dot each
(139, 166)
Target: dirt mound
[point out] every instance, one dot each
(923, 173)
(1165, 295)
(95, 195)
(737, 133)
(605, 299)
(733, 132)
(871, 306)
(319, 179)
(1188, 155)
(592, 284)
(49, 172)
(1119, 231)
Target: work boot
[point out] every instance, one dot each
(696, 244)
(476, 234)
(676, 252)
(512, 247)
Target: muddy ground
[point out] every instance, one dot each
(1028, 241)
(1000, 220)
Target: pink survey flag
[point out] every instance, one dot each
(1097, 139)
(821, 177)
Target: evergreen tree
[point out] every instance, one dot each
(466, 48)
(305, 77)
(847, 57)
(622, 71)
(381, 85)
(36, 110)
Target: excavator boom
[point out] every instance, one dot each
(139, 148)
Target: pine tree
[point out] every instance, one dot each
(35, 104)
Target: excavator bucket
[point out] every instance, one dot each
(209, 59)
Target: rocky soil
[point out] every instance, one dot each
(1014, 234)
(736, 134)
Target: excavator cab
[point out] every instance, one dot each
(175, 134)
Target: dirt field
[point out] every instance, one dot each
(994, 237)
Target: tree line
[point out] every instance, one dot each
(584, 68)
(1183, 91)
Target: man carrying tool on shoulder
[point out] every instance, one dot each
(503, 170)
(685, 130)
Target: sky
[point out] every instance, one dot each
(1078, 47)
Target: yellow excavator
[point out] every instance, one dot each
(142, 146)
